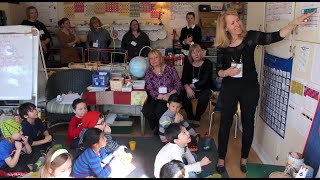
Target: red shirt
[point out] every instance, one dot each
(74, 129)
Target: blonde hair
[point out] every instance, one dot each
(158, 53)
(53, 164)
(91, 22)
(191, 49)
(223, 36)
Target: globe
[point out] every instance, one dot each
(138, 66)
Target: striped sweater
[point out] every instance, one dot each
(90, 164)
(168, 118)
(111, 144)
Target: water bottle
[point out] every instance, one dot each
(207, 145)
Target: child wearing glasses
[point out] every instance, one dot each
(94, 119)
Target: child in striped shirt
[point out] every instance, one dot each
(94, 161)
(172, 115)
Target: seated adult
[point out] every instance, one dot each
(197, 82)
(45, 37)
(68, 39)
(98, 38)
(134, 40)
(161, 80)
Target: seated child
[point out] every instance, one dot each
(32, 126)
(74, 129)
(94, 119)
(173, 169)
(94, 161)
(57, 164)
(15, 151)
(172, 115)
(177, 149)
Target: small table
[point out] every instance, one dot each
(130, 103)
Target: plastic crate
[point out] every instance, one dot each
(100, 79)
(122, 126)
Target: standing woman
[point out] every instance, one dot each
(197, 82)
(68, 39)
(45, 37)
(134, 40)
(236, 45)
(162, 80)
(98, 38)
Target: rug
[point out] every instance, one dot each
(148, 147)
(146, 150)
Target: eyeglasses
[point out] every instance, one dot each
(102, 122)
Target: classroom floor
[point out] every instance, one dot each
(234, 146)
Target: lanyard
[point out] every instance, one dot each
(193, 72)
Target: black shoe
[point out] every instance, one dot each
(220, 169)
(243, 168)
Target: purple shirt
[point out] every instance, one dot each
(169, 79)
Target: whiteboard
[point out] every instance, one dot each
(18, 62)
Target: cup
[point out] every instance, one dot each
(132, 145)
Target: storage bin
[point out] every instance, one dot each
(100, 79)
(116, 83)
(122, 126)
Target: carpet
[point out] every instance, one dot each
(148, 147)
(146, 150)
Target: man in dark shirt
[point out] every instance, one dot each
(191, 34)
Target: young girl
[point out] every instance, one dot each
(57, 164)
(94, 161)
(74, 129)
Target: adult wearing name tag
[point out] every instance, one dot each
(98, 37)
(240, 83)
(134, 40)
(45, 37)
(162, 80)
(197, 82)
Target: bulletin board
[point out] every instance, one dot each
(275, 92)
(125, 9)
(178, 13)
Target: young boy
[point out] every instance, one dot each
(173, 169)
(15, 151)
(32, 126)
(172, 115)
(94, 119)
(177, 149)
(74, 129)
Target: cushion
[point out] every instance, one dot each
(54, 107)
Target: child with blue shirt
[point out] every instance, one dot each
(32, 126)
(94, 161)
(15, 151)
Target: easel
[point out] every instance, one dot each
(42, 60)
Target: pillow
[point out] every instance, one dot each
(54, 107)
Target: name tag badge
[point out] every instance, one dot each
(95, 44)
(194, 80)
(162, 90)
(133, 43)
(239, 66)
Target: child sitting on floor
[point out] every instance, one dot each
(74, 129)
(177, 148)
(57, 164)
(173, 169)
(94, 119)
(172, 115)
(94, 161)
(32, 126)
(15, 152)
